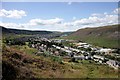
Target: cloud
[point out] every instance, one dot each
(58, 24)
(106, 20)
(117, 11)
(54, 23)
(95, 20)
(46, 22)
(17, 14)
(9, 25)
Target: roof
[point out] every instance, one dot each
(82, 57)
(99, 57)
(105, 50)
(113, 62)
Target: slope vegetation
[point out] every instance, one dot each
(19, 65)
(106, 36)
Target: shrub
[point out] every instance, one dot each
(57, 59)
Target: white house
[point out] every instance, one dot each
(80, 43)
(113, 64)
(57, 47)
(66, 47)
(82, 52)
(79, 57)
(98, 57)
(106, 51)
(88, 57)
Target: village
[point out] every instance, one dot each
(76, 51)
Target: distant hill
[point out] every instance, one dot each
(27, 32)
(48, 34)
(5, 30)
(106, 36)
(66, 33)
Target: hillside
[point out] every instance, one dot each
(106, 36)
(47, 34)
(19, 64)
(4, 30)
(27, 32)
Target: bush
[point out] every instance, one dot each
(57, 59)
(14, 42)
(63, 53)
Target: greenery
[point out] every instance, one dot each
(98, 41)
(25, 49)
(101, 36)
(86, 69)
(44, 67)
(63, 53)
(68, 44)
(56, 58)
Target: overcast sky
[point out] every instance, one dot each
(58, 16)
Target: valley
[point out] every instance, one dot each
(38, 55)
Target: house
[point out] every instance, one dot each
(53, 45)
(94, 49)
(88, 57)
(68, 51)
(82, 52)
(33, 45)
(63, 49)
(86, 46)
(81, 57)
(58, 40)
(57, 47)
(72, 49)
(56, 53)
(80, 44)
(106, 51)
(83, 45)
(66, 47)
(113, 63)
(80, 47)
(98, 57)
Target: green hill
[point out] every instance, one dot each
(27, 32)
(7, 32)
(106, 36)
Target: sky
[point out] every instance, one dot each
(58, 16)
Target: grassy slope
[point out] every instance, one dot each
(26, 65)
(18, 64)
(102, 36)
(25, 49)
(91, 70)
